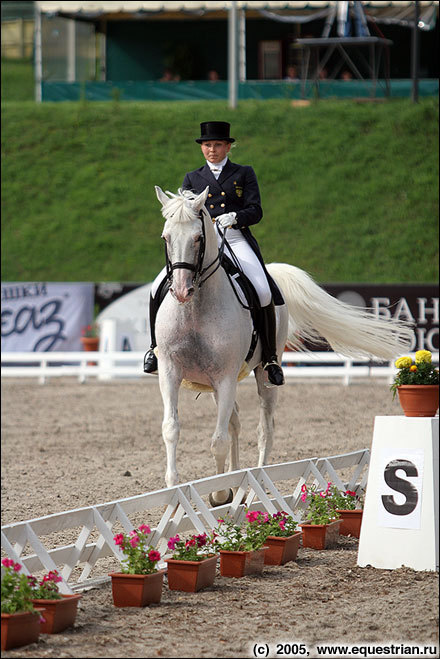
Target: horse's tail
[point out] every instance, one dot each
(315, 315)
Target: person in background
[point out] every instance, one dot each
(291, 74)
(234, 203)
(213, 76)
(167, 76)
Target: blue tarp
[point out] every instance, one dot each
(150, 90)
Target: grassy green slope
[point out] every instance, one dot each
(349, 191)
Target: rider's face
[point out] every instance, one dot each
(215, 150)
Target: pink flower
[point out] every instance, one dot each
(144, 528)
(154, 556)
(303, 487)
(323, 494)
(304, 497)
(172, 542)
(190, 543)
(201, 540)
(17, 567)
(134, 540)
(252, 515)
(282, 524)
(119, 539)
(8, 562)
(350, 493)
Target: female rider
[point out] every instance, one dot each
(233, 202)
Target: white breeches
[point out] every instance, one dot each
(249, 263)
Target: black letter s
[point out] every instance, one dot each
(400, 485)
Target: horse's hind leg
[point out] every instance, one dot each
(265, 430)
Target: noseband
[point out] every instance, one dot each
(197, 268)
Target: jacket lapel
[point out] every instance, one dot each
(227, 171)
(206, 173)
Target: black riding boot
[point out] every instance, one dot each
(150, 359)
(269, 350)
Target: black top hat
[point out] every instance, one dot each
(214, 130)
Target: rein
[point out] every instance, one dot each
(197, 268)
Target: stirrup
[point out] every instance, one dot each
(150, 362)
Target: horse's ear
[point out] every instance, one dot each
(199, 201)
(160, 194)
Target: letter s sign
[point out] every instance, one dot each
(400, 485)
(401, 491)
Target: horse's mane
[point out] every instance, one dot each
(179, 208)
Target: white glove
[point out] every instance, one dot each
(226, 220)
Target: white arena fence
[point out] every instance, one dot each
(129, 364)
(76, 541)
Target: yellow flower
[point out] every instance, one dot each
(423, 356)
(403, 362)
(413, 368)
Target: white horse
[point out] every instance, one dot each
(203, 332)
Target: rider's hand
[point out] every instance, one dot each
(226, 220)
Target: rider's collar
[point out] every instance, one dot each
(217, 165)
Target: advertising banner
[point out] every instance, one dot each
(417, 304)
(45, 316)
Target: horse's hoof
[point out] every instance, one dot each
(215, 502)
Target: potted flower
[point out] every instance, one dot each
(20, 619)
(241, 546)
(282, 538)
(90, 339)
(140, 582)
(321, 521)
(193, 563)
(417, 384)
(59, 610)
(349, 508)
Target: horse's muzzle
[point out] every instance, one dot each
(182, 293)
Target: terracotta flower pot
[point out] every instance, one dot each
(58, 614)
(241, 563)
(281, 550)
(351, 521)
(90, 344)
(418, 399)
(20, 629)
(136, 589)
(191, 576)
(320, 536)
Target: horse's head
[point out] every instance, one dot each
(185, 239)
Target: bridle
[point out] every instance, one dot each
(197, 268)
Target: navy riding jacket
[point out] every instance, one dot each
(236, 189)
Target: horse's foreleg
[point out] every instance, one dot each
(169, 383)
(222, 443)
(268, 400)
(234, 431)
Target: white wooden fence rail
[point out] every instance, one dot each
(177, 509)
(111, 365)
